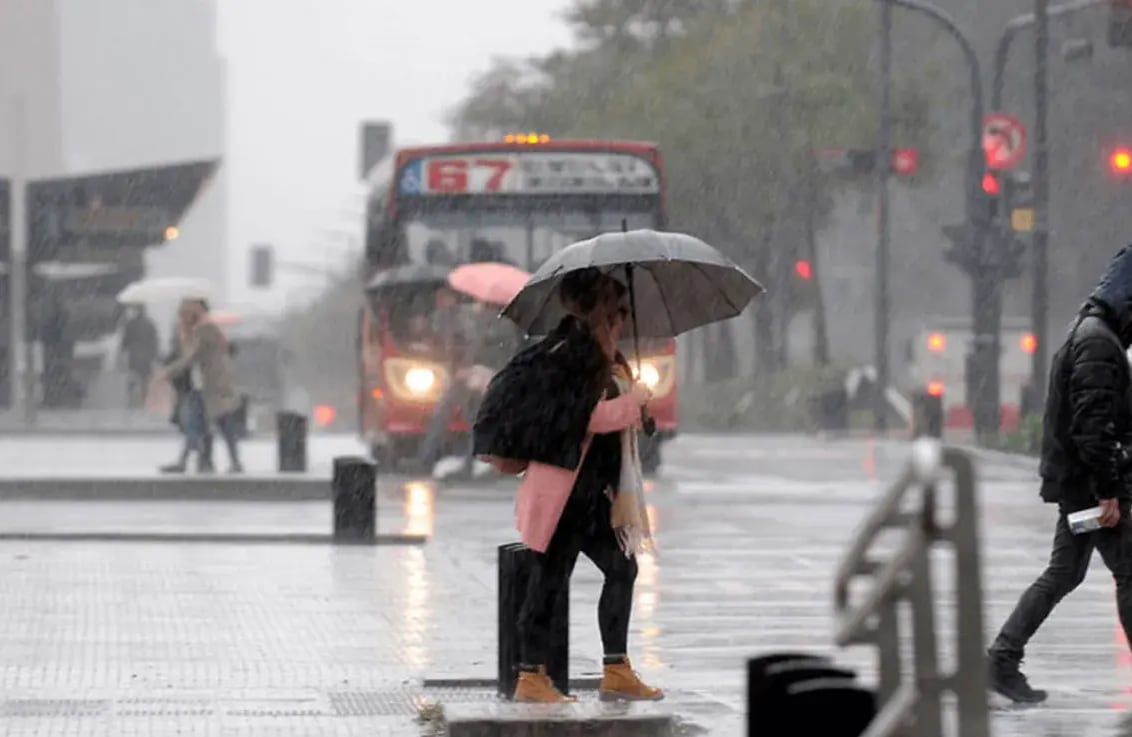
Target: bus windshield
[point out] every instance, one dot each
(523, 238)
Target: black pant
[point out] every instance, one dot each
(551, 571)
(229, 429)
(1068, 564)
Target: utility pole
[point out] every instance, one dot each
(821, 327)
(21, 350)
(1040, 305)
(884, 157)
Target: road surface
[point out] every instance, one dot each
(180, 638)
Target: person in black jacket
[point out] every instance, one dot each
(1086, 433)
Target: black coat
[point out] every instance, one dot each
(538, 407)
(1087, 427)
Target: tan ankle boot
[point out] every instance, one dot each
(537, 688)
(620, 682)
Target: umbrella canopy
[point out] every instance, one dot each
(678, 283)
(165, 290)
(493, 283)
(412, 275)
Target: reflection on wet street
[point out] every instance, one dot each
(748, 532)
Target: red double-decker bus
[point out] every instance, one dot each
(515, 201)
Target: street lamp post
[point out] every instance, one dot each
(985, 286)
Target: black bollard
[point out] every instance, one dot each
(927, 415)
(291, 432)
(831, 707)
(514, 575)
(355, 505)
(769, 676)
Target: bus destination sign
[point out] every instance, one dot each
(534, 173)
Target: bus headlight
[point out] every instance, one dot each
(413, 380)
(420, 380)
(658, 374)
(650, 375)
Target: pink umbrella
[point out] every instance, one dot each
(493, 283)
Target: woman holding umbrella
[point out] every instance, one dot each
(568, 405)
(566, 412)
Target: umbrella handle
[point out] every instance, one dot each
(648, 424)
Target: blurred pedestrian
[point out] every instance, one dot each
(140, 347)
(188, 405)
(1086, 434)
(492, 342)
(565, 411)
(207, 351)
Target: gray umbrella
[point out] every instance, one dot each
(411, 275)
(676, 283)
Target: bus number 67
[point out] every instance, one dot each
(453, 175)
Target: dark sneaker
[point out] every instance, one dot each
(173, 468)
(1006, 679)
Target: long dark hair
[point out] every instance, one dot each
(581, 291)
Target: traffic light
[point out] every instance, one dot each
(804, 269)
(988, 197)
(905, 162)
(1120, 23)
(1120, 161)
(992, 184)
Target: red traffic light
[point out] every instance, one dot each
(905, 161)
(803, 269)
(991, 184)
(1120, 161)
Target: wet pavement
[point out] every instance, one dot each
(172, 638)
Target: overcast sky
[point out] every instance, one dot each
(303, 73)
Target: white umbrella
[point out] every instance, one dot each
(166, 289)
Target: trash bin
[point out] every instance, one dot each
(291, 431)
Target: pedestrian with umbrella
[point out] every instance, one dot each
(566, 411)
(491, 343)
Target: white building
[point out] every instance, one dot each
(117, 84)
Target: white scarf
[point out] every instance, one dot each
(630, 515)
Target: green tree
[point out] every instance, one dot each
(740, 97)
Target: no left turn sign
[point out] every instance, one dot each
(1004, 141)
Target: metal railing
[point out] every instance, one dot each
(911, 704)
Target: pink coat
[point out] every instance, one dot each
(544, 489)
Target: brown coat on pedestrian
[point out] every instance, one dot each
(207, 349)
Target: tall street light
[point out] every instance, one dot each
(986, 287)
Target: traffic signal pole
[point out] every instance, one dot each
(1039, 306)
(883, 169)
